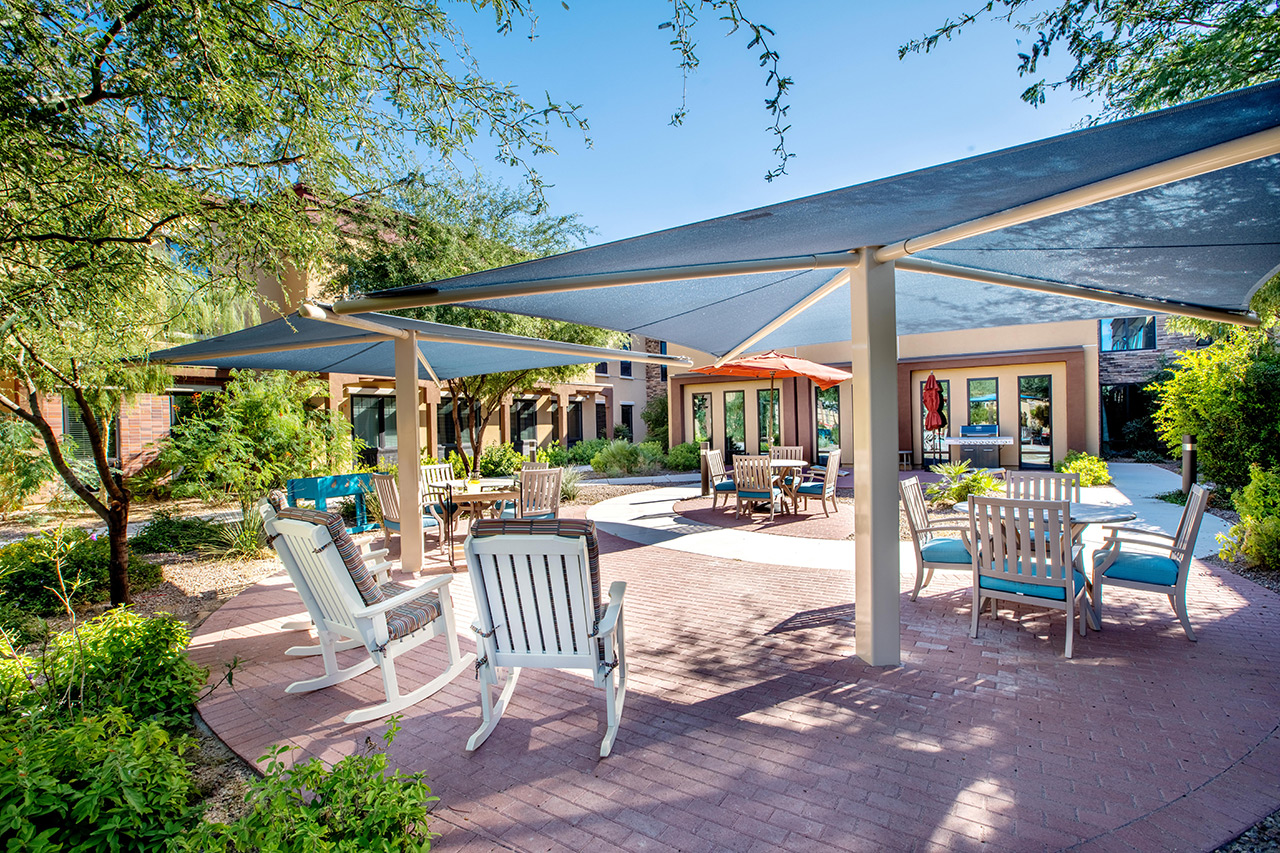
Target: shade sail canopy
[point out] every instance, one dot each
(323, 347)
(776, 365)
(1206, 240)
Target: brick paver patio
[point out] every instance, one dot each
(749, 725)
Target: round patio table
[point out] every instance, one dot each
(782, 468)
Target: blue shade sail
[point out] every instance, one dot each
(341, 349)
(1210, 240)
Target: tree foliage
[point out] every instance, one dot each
(1136, 55)
(435, 228)
(1225, 395)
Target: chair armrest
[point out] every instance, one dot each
(403, 598)
(368, 552)
(1112, 529)
(609, 622)
(955, 528)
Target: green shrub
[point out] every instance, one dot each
(29, 570)
(621, 432)
(98, 783)
(1224, 394)
(125, 660)
(654, 453)
(584, 451)
(1257, 535)
(169, 533)
(24, 464)
(622, 458)
(459, 464)
(1148, 456)
(959, 482)
(499, 460)
(20, 625)
(656, 418)
(353, 806)
(556, 457)
(685, 457)
(1092, 470)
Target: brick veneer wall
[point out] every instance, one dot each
(1138, 366)
(143, 422)
(653, 384)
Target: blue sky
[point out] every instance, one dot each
(857, 112)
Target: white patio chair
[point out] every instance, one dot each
(721, 483)
(1022, 553)
(375, 563)
(1161, 566)
(1042, 486)
(537, 592)
(753, 480)
(932, 551)
(388, 492)
(825, 488)
(347, 604)
(539, 494)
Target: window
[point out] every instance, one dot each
(602, 421)
(735, 423)
(828, 417)
(628, 418)
(766, 412)
(448, 435)
(182, 406)
(554, 409)
(624, 367)
(1127, 333)
(1035, 419)
(602, 368)
(1126, 419)
(524, 421)
(73, 428)
(662, 350)
(984, 407)
(575, 422)
(373, 421)
(701, 418)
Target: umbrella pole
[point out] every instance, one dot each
(770, 427)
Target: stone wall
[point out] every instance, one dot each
(1138, 366)
(654, 386)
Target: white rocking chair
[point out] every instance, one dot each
(346, 603)
(537, 591)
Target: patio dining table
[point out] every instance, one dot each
(476, 495)
(789, 481)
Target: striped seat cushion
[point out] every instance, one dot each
(407, 618)
(346, 548)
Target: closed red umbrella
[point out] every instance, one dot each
(931, 397)
(775, 365)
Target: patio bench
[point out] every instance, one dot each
(321, 490)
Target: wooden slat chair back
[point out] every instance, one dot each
(346, 603)
(826, 487)
(534, 466)
(388, 492)
(538, 604)
(1042, 486)
(720, 482)
(1022, 552)
(1153, 562)
(785, 451)
(754, 482)
(539, 494)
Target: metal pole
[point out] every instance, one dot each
(706, 472)
(1188, 463)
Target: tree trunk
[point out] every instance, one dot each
(118, 567)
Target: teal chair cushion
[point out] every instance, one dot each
(427, 522)
(760, 496)
(510, 512)
(725, 486)
(816, 488)
(1005, 585)
(945, 551)
(1143, 568)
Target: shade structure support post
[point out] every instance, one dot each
(408, 452)
(877, 635)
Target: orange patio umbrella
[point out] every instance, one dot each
(777, 365)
